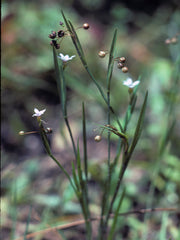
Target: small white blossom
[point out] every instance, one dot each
(129, 83)
(65, 58)
(38, 113)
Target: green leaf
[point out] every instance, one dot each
(138, 127)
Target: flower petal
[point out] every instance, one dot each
(135, 83)
(38, 113)
(128, 82)
(36, 110)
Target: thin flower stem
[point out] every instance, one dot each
(71, 135)
(105, 99)
(125, 162)
(48, 150)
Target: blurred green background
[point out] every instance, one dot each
(28, 81)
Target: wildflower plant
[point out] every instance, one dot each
(112, 191)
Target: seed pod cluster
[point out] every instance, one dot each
(55, 44)
(172, 40)
(55, 36)
(121, 64)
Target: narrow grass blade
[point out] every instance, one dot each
(66, 22)
(56, 65)
(27, 223)
(60, 81)
(14, 212)
(84, 199)
(111, 233)
(77, 44)
(79, 167)
(138, 127)
(75, 39)
(131, 107)
(130, 110)
(61, 85)
(75, 178)
(84, 141)
(111, 60)
(44, 138)
(48, 149)
(167, 137)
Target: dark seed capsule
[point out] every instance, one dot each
(60, 33)
(53, 43)
(120, 65)
(57, 46)
(52, 35)
(86, 26)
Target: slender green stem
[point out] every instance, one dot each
(125, 162)
(105, 99)
(84, 141)
(84, 194)
(48, 150)
(71, 135)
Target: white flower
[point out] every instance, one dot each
(129, 83)
(38, 113)
(65, 58)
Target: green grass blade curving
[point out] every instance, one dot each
(84, 141)
(111, 60)
(138, 127)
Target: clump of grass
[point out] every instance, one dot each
(113, 126)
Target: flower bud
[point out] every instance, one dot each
(124, 69)
(122, 59)
(167, 41)
(120, 65)
(60, 33)
(48, 130)
(174, 40)
(57, 46)
(21, 133)
(85, 26)
(102, 54)
(97, 138)
(52, 35)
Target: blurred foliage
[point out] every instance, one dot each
(28, 81)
